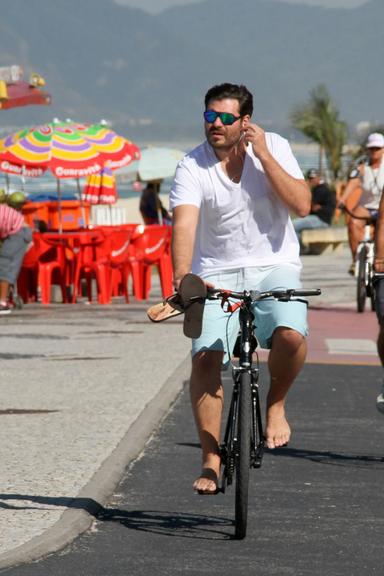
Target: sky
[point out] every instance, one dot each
(156, 6)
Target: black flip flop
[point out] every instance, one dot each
(192, 292)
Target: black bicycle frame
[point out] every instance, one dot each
(229, 448)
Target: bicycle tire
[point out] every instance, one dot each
(243, 460)
(361, 294)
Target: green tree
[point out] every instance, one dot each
(319, 120)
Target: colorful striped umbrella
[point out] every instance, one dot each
(100, 188)
(55, 146)
(118, 151)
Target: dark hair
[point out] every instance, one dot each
(235, 91)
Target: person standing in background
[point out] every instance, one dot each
(15, 236)
(151, 207)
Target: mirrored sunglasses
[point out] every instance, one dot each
(226, 117)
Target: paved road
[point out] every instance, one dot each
(315, 507)
(74, 380)
(74, 412)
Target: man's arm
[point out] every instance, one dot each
(292, 191)
(185, 219)
(352, 185)
(379, 238)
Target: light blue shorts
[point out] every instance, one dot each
(220, 329)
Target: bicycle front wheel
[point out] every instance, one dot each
(243, 462)
(361, 280)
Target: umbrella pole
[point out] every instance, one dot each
(158, 204)
(59, 206)
(82, 207)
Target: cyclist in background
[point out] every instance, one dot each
(369, 176)
(231, 199)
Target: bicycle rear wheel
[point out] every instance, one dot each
(243, 455)
(361, 280)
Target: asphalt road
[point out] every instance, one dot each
(316, 507)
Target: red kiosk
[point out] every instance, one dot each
(14, 91)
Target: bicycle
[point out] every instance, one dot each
(364, 263)
(243, 443)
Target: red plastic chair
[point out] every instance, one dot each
(92, 261)
(43, 265)
(118, 258)
(52, 267)
(150, 246)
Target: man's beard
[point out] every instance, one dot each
(224, 144)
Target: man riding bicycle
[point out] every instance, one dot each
(369, 176)
(231, 200)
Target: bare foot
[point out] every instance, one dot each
(277, 431)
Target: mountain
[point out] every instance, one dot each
(148, 74)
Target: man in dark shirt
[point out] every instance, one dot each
(322, 207)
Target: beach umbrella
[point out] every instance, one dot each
(57, 147)
(157, 163)
(119, 152)
(116, 149)
(100, 188)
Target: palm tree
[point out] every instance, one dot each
(319, 120)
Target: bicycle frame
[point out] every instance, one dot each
(368, 244)
(229, 448)
(243, 444)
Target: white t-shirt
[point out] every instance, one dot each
(372, 185)
(240, 225)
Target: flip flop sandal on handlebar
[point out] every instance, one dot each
(193, 292)
(190, 300)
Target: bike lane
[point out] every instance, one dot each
(315, 507)
(340, 335)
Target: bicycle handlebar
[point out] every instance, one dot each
(255, 295)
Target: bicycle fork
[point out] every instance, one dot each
(229, 449)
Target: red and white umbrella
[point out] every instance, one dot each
(100, 188)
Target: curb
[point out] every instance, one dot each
(74, 521)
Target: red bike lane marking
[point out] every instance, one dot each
(339, 323)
